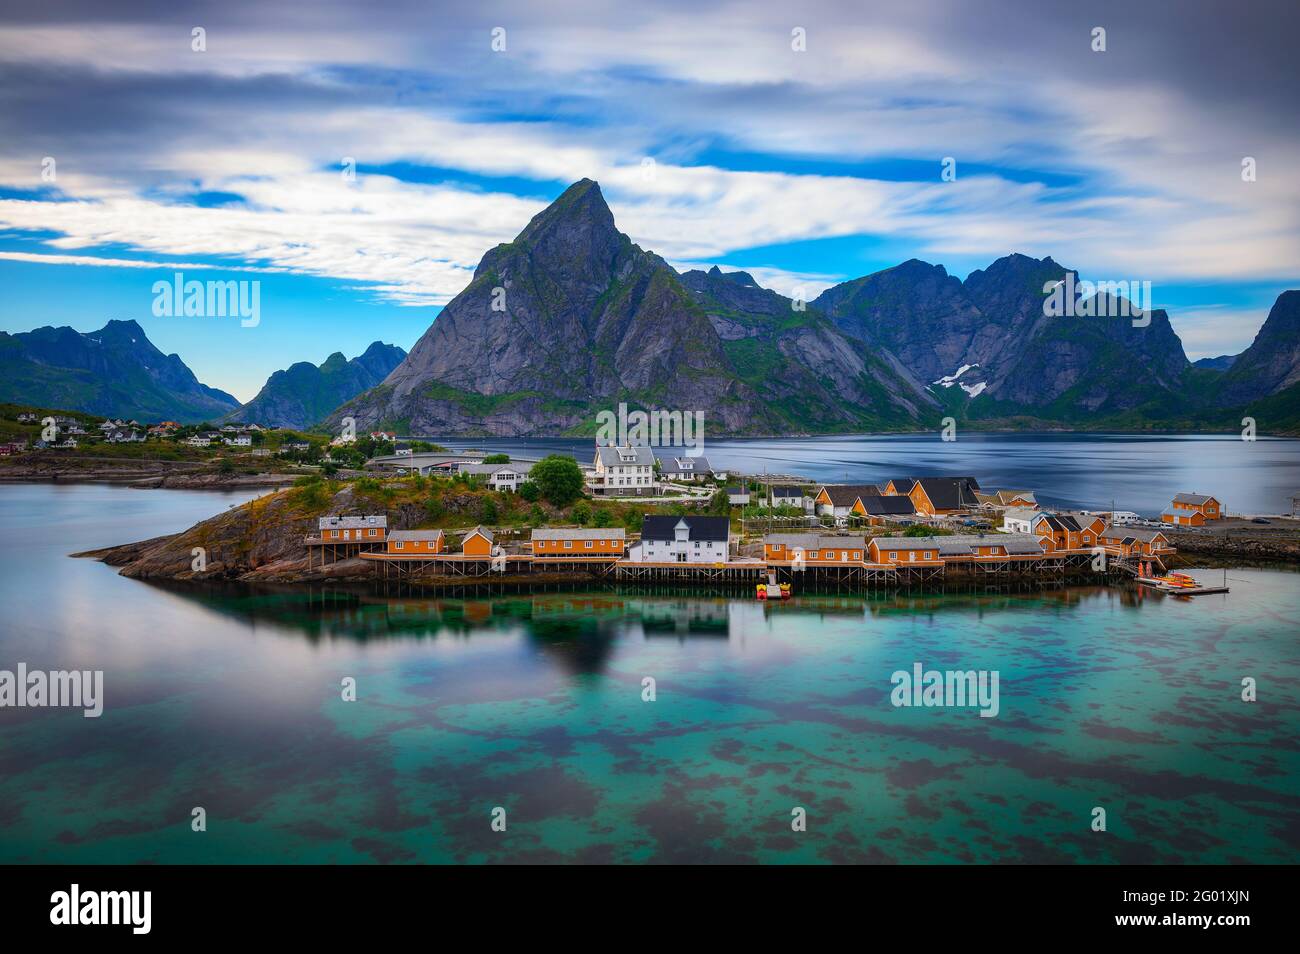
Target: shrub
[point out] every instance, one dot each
(528, 491)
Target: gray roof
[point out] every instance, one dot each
(520, 468)
(1131, 533)
(1194, 499)
(907, 543)
(481, 531)
(815, 541)
(614, 456)
(684, 465)
(963, 544)
(352, 523)
(415, 535)
(581, 533)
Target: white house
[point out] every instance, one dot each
(785, 495)
(1019, 519)
(500, 476)
(624, 472)
(738, 496)
(689, 539)
(684, 468)
(239, 440)
(202, 440)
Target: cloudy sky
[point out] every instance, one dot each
(713, 138)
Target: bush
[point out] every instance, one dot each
(488, 511)
(558, 478)
(581, 513)
(497, 459)
(602, 518)
(529, 491)
(433, 507)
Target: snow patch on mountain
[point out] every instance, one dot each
(949, 380)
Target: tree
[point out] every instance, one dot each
(558, 478)
(497, 459)
(488, 511)
(602, 518)
(581, 513)
(720, 503)
(528, 491)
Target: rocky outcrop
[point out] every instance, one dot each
(259, 541)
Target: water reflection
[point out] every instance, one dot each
(593, 619)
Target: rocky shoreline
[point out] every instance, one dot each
(1272, 546)
(130, 472)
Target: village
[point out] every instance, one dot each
(772, 535)
(696, 523)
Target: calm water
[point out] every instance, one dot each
(229, 699)
(1070, 470)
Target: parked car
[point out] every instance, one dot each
(1260, 520)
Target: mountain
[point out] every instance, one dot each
(304, 393)
(1272, 362)
(572, 318)
(1222, 363)
(992, 337)
(919, 312)
(115, 371)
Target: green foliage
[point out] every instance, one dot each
(581, 513)
(433, 507)
(497, 459)
(529, 491)
(720, 503)
(558, 478)
(602, 518)
(488, 512)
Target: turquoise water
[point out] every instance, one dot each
(230, 699)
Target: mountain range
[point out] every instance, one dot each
(115, 371)
(572, 318)
(302, 394)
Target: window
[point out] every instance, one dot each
(374, 533)
(857, 554)
(588, 544)
(927, 555)
(893, 554)
(398, 545)
(568, 544)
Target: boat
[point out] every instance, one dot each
(772, 590)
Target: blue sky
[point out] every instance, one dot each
(715, 140)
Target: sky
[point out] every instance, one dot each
(359, 164)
